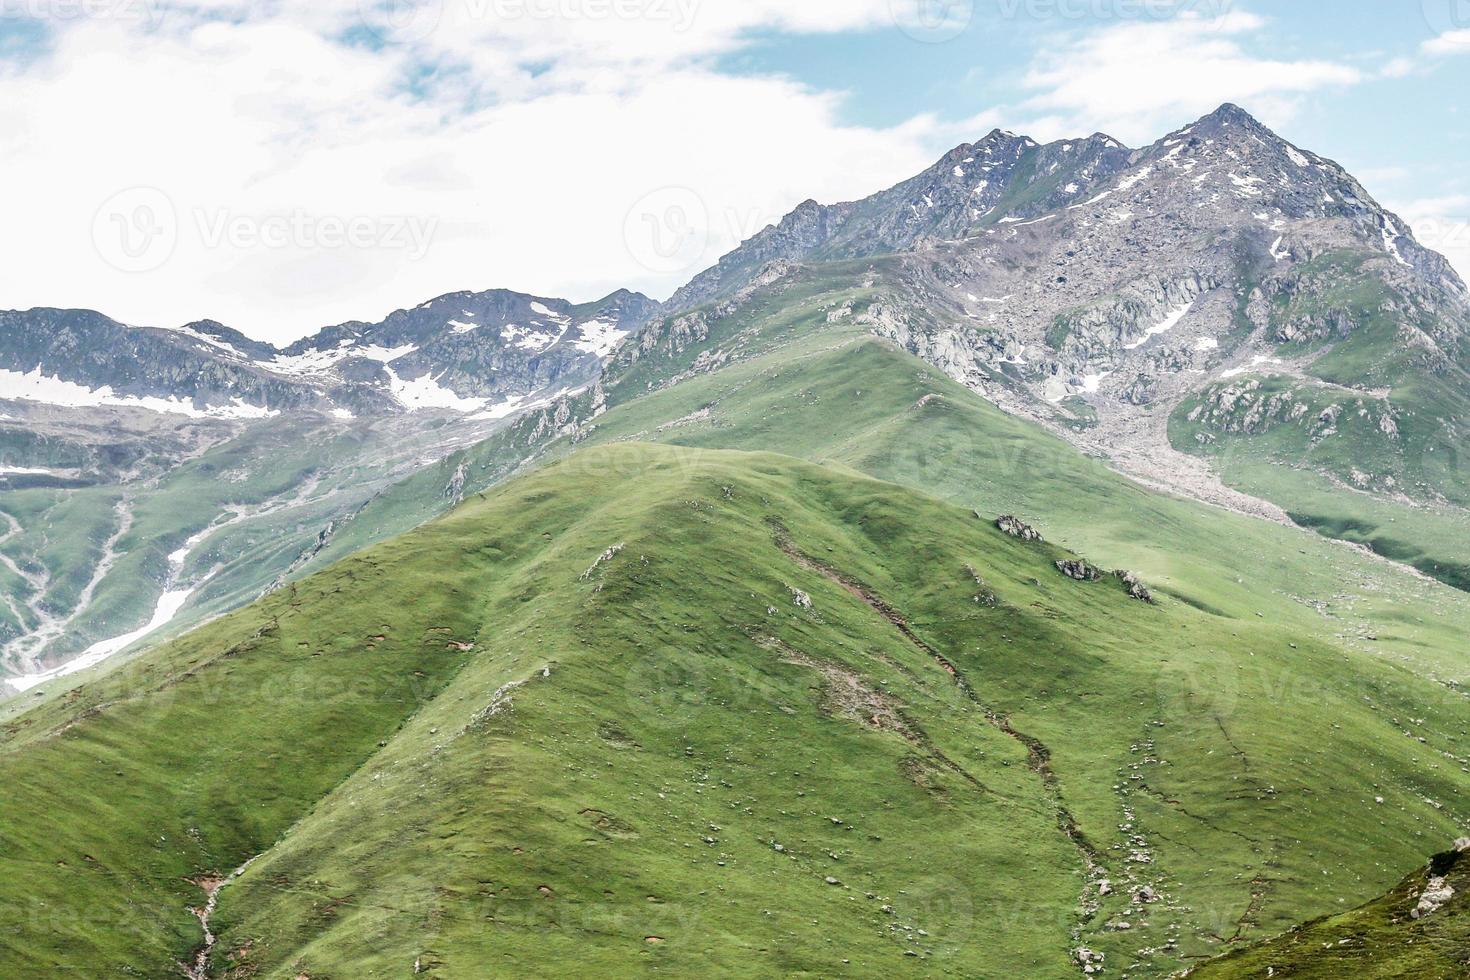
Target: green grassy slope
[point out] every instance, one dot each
(1382, 939)
(788, 380)
(479, 748)
(1372, 428)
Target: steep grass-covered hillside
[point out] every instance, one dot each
(688, 710)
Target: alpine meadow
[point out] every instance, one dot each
(1056, 564)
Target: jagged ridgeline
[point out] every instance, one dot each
(698, 711)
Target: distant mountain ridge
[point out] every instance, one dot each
(470, 353)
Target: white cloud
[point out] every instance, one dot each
(328, 164)
(1443, 224)
(1450, 42)
(1138, 79)
(305, 171)
(1399, 68)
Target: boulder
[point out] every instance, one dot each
(1018, 528)
(1079, 570)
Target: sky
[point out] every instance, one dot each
(282, 167)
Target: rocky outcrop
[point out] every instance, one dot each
(1134, 586)
(1018, 528)
(454, 492)
(1079, 570)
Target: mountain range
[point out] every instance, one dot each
(1050, 566)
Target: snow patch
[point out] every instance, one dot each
(1132, 179)
(1163, 326)
(383, 355)
(168, 607)
(419, 394)
(206, 339)
(1391, 242)
(1101, 197)
(542, 310)
(169, 604)
(37, 387)
(1247, 185)
(1258, 361)
(528, 340)
(600, 337)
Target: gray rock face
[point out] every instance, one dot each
(1096, 289)
(1001, 176)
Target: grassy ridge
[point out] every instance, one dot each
(623, 810)
(1380, 940)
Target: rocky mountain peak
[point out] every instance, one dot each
(1230, 114)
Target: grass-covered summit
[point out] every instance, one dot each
(695, 711)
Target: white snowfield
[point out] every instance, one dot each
(600, 337)
(528, 340)
(316, 363)
(1164, 326)
(418, 394)
(34, 386)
